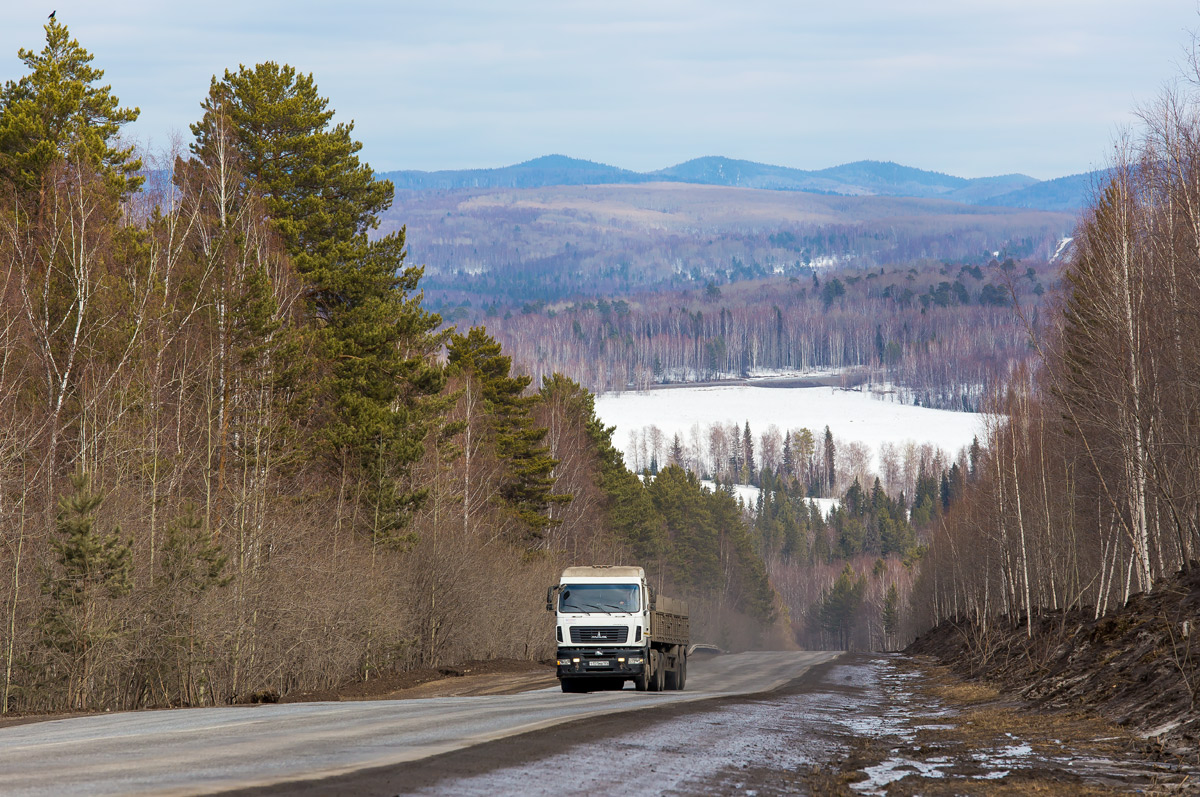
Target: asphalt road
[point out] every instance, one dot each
(196, 751)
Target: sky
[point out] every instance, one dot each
(968, 87)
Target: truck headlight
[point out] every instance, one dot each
(634, 660)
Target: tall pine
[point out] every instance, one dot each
(377, 341)
(527, 468)
(57, 113)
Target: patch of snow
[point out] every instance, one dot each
(1016, 751)
(1063, 245)
(826, 261)
(826, 505)
(747, 492)
(894, 769)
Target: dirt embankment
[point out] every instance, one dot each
(1137, 666)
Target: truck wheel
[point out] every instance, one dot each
(571, 685)
(671, 676)
(656, 672)
(660, 678)
(641, 682)
(681, 679)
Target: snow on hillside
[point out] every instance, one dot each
(852, 415)
(1064, 246)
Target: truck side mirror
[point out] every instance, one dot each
(553, 588)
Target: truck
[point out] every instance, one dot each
(611, 627)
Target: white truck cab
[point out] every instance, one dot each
(610, 628)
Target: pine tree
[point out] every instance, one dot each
(376, 339)
(56, 113)
(91, 570)
(528, 467)
(749, 471)
(891, 613)
(192, 564)
(838, 609)
(320, 198)
(629, 512)
(694, 552)
(830, 475)
(676, 456)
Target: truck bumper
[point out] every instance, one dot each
(600, 662)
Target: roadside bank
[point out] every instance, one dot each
(1135, 666)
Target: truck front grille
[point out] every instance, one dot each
(599, 633)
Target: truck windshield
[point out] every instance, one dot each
(598, 598)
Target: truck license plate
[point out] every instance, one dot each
(598, 663)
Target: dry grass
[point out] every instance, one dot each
(963, 693)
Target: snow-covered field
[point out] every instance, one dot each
(852, 415)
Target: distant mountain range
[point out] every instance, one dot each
(861, 178)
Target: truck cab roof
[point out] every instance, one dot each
(604, 571)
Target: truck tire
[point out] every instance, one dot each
(671, 676)
(656, 672)
(571, 685)
(682, 677)
(641, 682)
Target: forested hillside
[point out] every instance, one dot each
(943, 333)
(1089, 492)
(239, 455)
(621, 287)
(505, 248)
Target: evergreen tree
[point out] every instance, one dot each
(956, 483)
(528, 466)
(745, 575)
(677, 456)
(749, 471)
(789, 462)
(376, 339)
(794, 530)
(56, 113)
(838, 610)
(192, 564)
(92, 569)
(694, 552)
(891, 613)
(320, 198)
(830, 476)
